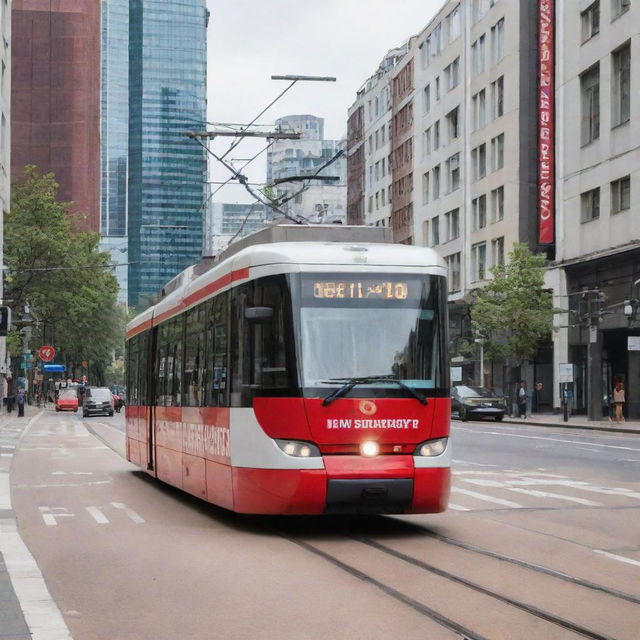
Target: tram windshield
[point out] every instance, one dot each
(378, 325)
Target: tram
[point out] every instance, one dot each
(304, 371)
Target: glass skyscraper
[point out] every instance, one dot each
(166, 169)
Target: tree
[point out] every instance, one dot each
(513, 313)
(62, 275)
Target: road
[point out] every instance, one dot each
(542, 541)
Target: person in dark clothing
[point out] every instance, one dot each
(21, 400)
(11, 399)
(522, 400)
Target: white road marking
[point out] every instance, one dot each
(575, 484)
(59, 485)
(520, 435)
(457, 507)
(49, 514)
(97, 515)
(72, 473)
(130, 512)
(613, 556)
(482, 496)
(557, 496)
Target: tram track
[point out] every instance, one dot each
(463, 630)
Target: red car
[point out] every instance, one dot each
(67, 400)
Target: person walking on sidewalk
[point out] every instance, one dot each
(522, 400)
(21, 399)
(618, 401)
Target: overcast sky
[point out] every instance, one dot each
(250, 40)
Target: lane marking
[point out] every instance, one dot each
(613, 556)
(482, 496)
(59, 485)
(97, 515)
(130, 512)
(557, 496)
(519, 435)
(457, 507)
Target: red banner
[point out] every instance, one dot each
(546, 89)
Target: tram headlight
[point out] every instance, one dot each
(370, 448)
(298, 449)
(432, 448)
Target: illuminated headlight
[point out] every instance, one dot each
(432, 447)
(298, 449)
(369, 449)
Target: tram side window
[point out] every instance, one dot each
(132, 371)
(194, 356)
(218, 346)
(161, 367)
(142, 372)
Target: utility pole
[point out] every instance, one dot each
(594, 356)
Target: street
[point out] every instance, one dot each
(541, 541)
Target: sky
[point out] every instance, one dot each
(251, 40)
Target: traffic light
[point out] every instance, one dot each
(5, 320)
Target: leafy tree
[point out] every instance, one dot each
(514, 312)
(62, 275)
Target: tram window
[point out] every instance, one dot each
(218, 377)
(174, 386)
(161, 377)
(143, 374)
(192, 370)
(132, 371)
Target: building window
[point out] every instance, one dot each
(618, 7)
(497, 98)
(426, 94)
(426, 137)
(452, 74)
(497, 204)
(590, 19)
(436, 135)
(377, 200)
(453, 172)
(479, 208)
(497, 152)
(435, 231)
(479, 161)
(453, 123)
(479, 105)
(425, 188)
(590, 90)
(382, 196)
(437, 81)
(621, 194)
(370, 204)
(426, 52)
(590, 205)
(425, 233)
(477, 56)
(497, 40)
(453, 268)
(621, 89)
(453, 24)
(497, 250)
(479, 260)
(480, 8)
(452, 221)
(436, 182)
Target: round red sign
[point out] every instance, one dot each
(46, 353)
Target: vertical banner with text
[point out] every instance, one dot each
(546, 98)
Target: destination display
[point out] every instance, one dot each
(360, 289)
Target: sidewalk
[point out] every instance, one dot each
(576, 422)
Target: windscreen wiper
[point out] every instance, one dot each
(349, 383)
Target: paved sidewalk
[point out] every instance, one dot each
(576, 422)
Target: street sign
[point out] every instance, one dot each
(54, 367)
(565, 373)
(46, 353)
(26, 365)
(633, 343)
(456, 374)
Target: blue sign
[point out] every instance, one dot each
(26, 365)
(54, 367)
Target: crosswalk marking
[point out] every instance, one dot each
(130, 512)
(486, 498)
(97, 515)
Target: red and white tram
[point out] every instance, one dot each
(298, 377)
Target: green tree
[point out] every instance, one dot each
(62, 275)
(514, 311)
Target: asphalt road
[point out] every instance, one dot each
(542, 541)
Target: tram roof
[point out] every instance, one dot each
(295, 248)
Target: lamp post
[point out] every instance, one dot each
(481, 342)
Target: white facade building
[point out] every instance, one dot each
(597, 265)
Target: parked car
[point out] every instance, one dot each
(477, 403)
(67, 400)
(97, 400)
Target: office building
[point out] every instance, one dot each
(166, 169)
(55, 111)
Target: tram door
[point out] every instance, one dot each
(152, 364)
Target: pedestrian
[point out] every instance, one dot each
(21, 399)
(10, 402)
(618, 401)
(522, 400)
